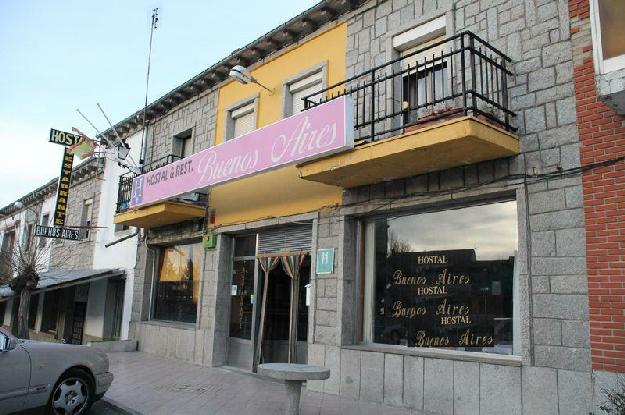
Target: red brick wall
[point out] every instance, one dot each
(602, 137)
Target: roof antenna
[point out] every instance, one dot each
(147, 83)
(103, 139)
(105, 142)
(122, 148)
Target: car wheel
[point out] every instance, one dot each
(72, 394)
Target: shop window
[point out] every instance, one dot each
(178, 283)
(50, 312)
(609, 34)
(242, 287)
(182, 145)
(296, 89)
(241, 119)
(87, 215)
(443, 279)
(33, 306)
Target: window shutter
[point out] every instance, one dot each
(305, 86)
(298, 97)
(285, 239)
(243, 119)
(425, 55)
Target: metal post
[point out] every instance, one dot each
(372, 105)
(473, 74)
(504, 87)
(463, 75)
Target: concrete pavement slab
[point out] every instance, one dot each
(150, 384)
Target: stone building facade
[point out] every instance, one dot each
(553, 375)
(547, 367)
(79, 297)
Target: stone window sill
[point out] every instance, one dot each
(172, 324)
(481, 357)
(611, 89)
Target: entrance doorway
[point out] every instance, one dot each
(276, 339)
(78, 322)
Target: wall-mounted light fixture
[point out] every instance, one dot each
(242, 74)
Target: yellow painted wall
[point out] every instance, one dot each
(280, 192)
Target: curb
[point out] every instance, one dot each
(119, 407)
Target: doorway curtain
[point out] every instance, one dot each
(291, 263)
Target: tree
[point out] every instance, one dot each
(21, 265)
(397, 245)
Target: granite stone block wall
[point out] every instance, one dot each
(553, 293)
(78, 255)
(198, 114)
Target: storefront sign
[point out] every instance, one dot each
(57, 233)
(318, 132)
(438, 299)
(63, 189)
(63, 138)
(325, 261)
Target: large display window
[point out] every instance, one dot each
(443, 279)
(178, 283)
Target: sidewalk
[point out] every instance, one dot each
(151, 384)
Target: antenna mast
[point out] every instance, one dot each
(147, 83)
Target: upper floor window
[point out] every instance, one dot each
(8, 241)
(301, 86)
(241, 118)
(182, 145)
(45, 221)
(27, 236)
(425, 78)
(87, 215)
(608, 34)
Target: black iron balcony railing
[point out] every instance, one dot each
(124, 189)
(460, 75)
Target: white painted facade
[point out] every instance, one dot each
(123, 254)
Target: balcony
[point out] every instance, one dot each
(441, 106)
(160, 214)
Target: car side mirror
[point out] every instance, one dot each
(6, 343)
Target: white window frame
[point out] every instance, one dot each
(301, 81)
(234, 111)
(602, 66)
(183, 141)
(420, 35)
(87, 205)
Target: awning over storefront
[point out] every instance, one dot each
(61, 279)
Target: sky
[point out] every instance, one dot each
(56, 56)
(489, 229)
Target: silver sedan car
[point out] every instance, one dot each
(66, 379)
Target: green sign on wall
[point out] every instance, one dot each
(325, 261)
(209, 241)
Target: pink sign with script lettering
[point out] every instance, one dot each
(317, 132)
